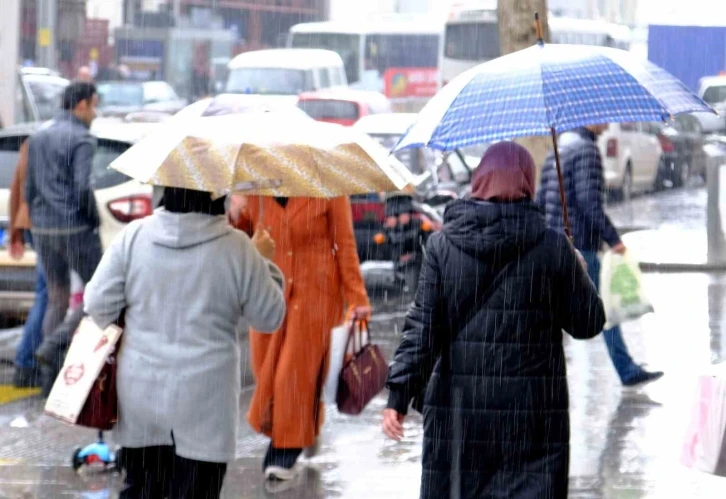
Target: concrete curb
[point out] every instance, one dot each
(650, 267)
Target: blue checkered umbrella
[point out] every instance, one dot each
(548, 88)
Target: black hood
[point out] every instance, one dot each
(483, 229)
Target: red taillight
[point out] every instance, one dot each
(130, 208)
(666, 144)
(612, 148)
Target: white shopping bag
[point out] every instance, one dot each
(705, 445)
(339, 349)
(86, 356)
(621, 289)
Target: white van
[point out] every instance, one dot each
(285, 73)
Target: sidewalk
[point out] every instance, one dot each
(667, 231)
(625, 443)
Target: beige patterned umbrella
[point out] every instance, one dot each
(267, 153)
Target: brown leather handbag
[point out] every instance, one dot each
(101, 408)
(363, 376)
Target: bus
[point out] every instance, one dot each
(397, 56)
(471, 36)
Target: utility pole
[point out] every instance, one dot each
(9, 45)
(47, 20)
(517, 31)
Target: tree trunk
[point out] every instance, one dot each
(517, 31)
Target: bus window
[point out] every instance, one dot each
(472, 41)
(347, 47)
(402, 51)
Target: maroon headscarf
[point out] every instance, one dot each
(505, 173)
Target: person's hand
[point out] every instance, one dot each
(581, 259)
(264, 243)
(17, 250)
(619, 249)
(362, 313)
(393, 424)
(237, 204)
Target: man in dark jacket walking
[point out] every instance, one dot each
(591, 227)
(63, 211)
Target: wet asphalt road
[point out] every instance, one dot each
(626, 443)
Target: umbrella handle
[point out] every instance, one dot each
(261, 221)
(565, 215)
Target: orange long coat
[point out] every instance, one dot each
(316, 252)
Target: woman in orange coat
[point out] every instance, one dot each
(316, 251)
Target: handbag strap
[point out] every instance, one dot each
(354, 331)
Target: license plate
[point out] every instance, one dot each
(3, 242)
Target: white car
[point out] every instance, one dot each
(632, 155)
(712, 89)
(283, 74)
(120, 200)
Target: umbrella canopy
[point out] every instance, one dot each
(546, 89)
(265, 153)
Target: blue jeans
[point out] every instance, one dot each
(33, 329)
(622, 361)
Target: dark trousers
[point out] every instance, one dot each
(158, 473)
(60, 253)
(284, 458)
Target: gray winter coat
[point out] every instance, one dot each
(185, 281)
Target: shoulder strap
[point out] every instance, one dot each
(127, 253)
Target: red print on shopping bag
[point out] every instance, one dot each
(73, 374)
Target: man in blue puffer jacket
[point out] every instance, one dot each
(584, 181)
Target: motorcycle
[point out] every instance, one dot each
(409, 222)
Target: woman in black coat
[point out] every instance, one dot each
(481, 354)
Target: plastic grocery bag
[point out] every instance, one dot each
(621, 289)
(339, 349)
(705, 445)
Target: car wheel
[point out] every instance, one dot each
(627, 189)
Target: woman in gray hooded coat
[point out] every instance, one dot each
(184, 279)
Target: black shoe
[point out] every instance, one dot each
(643, 377)
(26, 377)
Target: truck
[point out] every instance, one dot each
(697, 56)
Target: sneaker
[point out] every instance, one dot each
(313, 450)
(26, 377)
(643, 377)
(280, 474)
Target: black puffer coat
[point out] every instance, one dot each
(484, 339)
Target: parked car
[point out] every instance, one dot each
(120, 200)
(38, 95)
(712, 89)
(441, 176)
(119, 98)
(283, 74)
(632, 156)
(682, 142)
(343, 106)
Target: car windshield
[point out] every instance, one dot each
(47, 92)
(120, 94)
(268, 81)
